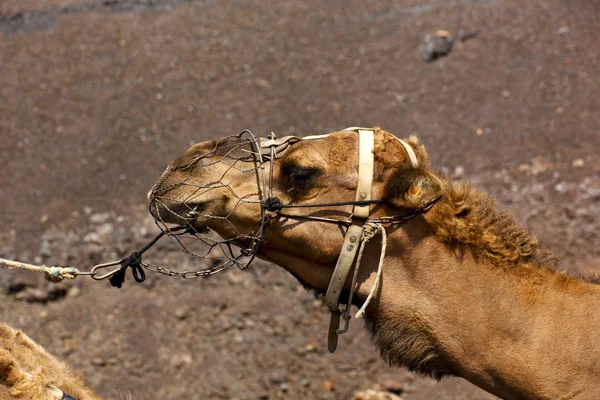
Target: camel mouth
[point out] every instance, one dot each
(170, 211)
(172, 217)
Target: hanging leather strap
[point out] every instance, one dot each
(353, 235)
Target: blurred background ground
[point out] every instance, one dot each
(98, 96)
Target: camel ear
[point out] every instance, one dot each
(412, 188)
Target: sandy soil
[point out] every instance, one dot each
(96, 97)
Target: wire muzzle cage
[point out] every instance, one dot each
(218, 171)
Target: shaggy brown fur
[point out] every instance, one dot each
(29, 372)
(405, 345)
(466, 217)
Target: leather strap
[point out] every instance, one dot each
(353, 235)
(365, 171)
(343, 265)
(282, 145)
(411, 153)
(409, 150)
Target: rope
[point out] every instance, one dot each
(370, 229)
(381, 229)
(53, 274)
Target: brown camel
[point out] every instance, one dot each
(464, 291)
(29, 372)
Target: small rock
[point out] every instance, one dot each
(570, 212)
(392, 386)
(276, 378)
(182, 313)
(328, 386)
(236, 278)
(561, 187)
(105, 229)
(524, 167)
(578, 163)
(98, 362)
(540, 165)
(375, 395)
(74, 291)
(459, 171)
(180, 360)
(143, 232)
(99, 218)
(436, 46)
(284, 387)
(92, 237)
(310, 348)
(305, 383)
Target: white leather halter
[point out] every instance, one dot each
(275, 148)
(353, 235)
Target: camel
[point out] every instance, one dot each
(29, 372)
(463, 291)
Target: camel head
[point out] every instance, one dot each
(223, 186)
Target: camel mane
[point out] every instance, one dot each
(468, 218)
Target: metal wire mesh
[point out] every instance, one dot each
(239, 159)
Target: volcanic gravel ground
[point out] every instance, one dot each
(97, 97)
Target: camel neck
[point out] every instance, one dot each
(443, 312)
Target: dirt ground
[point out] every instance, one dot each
(97, 97)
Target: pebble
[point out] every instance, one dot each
(99, 218)
(92, 237)
(436, 46)
(393, 386)
(105, 229)
(182, 313)
(561, 187)
(540, 165)
(327, 386)
(375, 395)
(276, 378)
(180, 360)
(98, 362)
(578, 163)
(459, 171)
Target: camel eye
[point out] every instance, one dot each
(300, 177)
(414, 190)
(303, 175)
